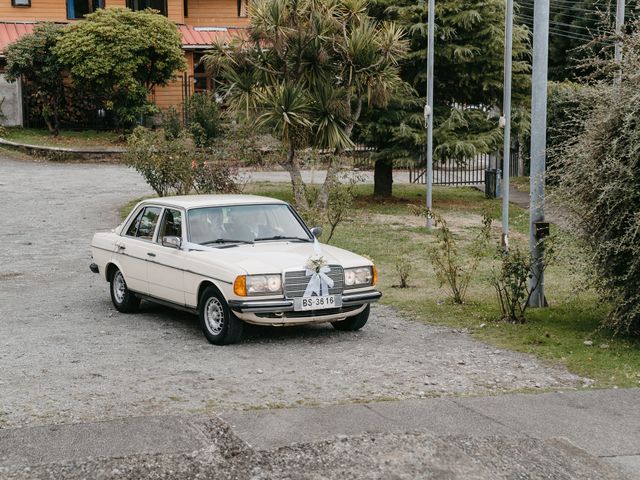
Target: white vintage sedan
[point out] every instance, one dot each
(233, 259)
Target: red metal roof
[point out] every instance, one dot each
(10, 32)
(199, 37)
(192, 37)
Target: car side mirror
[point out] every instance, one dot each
(316, 231)
(171, 242)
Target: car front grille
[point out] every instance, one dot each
(296, 282)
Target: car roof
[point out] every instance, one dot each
(198, 201)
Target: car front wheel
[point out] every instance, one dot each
(123, 299)
(353, 323)
(218, 323)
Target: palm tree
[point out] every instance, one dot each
(305, 70)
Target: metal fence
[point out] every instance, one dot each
(460, 172)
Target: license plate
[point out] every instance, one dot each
(317, 303)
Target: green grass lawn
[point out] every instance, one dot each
(386, 230)
(67, 138)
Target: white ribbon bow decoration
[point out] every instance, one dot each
(319, 283)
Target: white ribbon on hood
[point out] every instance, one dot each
(320, 282)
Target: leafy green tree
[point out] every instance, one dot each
(32, 57)
(468, 73)
(122, 55)
(305, 71)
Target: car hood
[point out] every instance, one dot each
(276, 257)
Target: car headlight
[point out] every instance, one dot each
(245, 285)
(359, 277)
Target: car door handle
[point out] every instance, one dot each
(119, 246)
(151, 254)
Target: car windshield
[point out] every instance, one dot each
(244, 224)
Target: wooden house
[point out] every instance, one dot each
(200, 23)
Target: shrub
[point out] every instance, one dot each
(600, 178)
(203, 118)
(166, 165)
(216, 177)
(339, 204)
(452, 268)
(172, 123)
(511, 281)
(404, 267)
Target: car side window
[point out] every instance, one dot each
(131, 231)
(171, 225)
(148, 223)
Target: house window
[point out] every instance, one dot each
(186, 8)
(202, 82)
(79, 8)
(160, 5)
(20, 3)
(243, 8)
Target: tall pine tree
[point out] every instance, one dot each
(467, 85)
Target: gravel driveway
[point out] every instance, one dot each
(66, 354)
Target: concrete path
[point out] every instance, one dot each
(602, 425)
(554, 212)
(605, 423)
(113, 438)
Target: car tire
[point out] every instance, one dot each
(123, 299)
(354, 323)
(218, 323)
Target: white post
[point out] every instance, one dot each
(618, 47)
(538, 145)
(506, 120)
(428, 109)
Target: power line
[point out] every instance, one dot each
(572, 4)
(561, 24)
(570, 25)
(529, 5)
(557, 28)
(556, 31)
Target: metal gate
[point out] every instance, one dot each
(461, 172)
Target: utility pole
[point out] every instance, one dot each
(428, 108)
(618, 47)
(506, 120)
(537, 227)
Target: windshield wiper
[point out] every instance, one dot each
(226, 240)
(283, 237)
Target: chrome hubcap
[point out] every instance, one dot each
(214, 315)
(119, 287)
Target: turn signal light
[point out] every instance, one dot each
(240, 286)
(374, 280)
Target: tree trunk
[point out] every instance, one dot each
(56, 119)
(329, 182)
(293, 167)
(383, 178)
(334, 162)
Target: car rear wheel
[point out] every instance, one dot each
(123, 299)
(218, 323)
(353, 323)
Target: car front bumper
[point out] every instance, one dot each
(281, 312)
